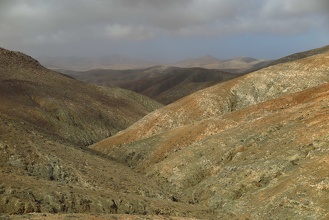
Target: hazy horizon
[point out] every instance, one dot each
(164, 31)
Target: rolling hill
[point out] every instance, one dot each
(255, 147)
(239, 65)
(167, 84)
(163, 84)
(175, 83)
(114, 78)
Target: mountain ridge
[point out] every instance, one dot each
(77, 63)
(118, 62)
(163, 84)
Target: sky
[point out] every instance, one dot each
(164, 30)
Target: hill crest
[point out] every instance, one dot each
(11, 59)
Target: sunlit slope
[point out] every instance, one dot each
(266, 84)
(254, 147)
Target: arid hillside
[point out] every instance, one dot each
(163, 84)
(46, 119)
(42, 174)
(265, 84)
(63, 106)
(255, 147)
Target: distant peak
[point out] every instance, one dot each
(244, 59)
(209, 56)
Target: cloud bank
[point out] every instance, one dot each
(38, 22)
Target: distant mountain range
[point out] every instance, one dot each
(119, 62)
(88, 63)
(163, 84)
(234, 65)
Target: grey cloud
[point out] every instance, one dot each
(291, 16)
(293, 8)
(60, 21)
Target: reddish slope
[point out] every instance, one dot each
(242, 92)
(259, 151)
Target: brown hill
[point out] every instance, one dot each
(254, 147)
(163, 84)
(114, 78)
(45, 120)
(242, 92)
(238, 65)
(175, 83)
(63, 106)
(301, 55)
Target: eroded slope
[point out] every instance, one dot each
(239, 93)
(41, 174)
(255, 147)
(265, 161)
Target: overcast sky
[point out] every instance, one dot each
(165, 30)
